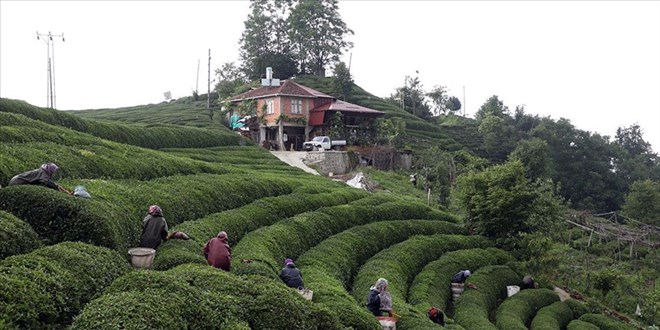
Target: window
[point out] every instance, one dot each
(296, 106)
(270, 108)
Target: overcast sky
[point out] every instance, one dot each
(595, 63)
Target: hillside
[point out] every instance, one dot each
(64, 261)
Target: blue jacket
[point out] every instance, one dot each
(373, 303)
(291, 276)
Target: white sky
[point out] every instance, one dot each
(596, 63)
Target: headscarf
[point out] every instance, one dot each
(288, 261)
(223, 234)
(380, 285)
(467, 273)
(49, 168)
(155, 210)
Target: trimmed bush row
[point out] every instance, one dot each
(113, 218)
(240, 221)
(290, 238)
(16, 236)
(201, 297)
(604, 322)
(517, 311)
(474, 306)
(558, 315)
(400, 263)
(148, 136)
(581, 325)
(49, 286)
(432, 286)
(329, 267)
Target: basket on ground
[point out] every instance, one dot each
(142, 257)
(388, 323)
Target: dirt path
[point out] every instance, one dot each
(563, 295)
(294, 158)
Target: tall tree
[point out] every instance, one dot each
(412, 97)
(342, 82)
(230, 78)
(439, 98)
(264, 42)
(317, 34)
(643, 202)
(453, 104)
(494, 107)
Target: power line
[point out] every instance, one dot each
(50, 77)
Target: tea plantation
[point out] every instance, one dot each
(64, 261)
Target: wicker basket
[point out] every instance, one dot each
(142, 257)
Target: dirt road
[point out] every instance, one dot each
(294, 158)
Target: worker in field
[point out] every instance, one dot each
(529, 283)
(379, 300)
(436, 315)
(291, 275)
(218, 252)
(41, 176)
(460, 277)
(154, 228)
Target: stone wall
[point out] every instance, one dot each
(336, 162)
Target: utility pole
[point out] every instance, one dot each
(208, 93)
(50, 55)
(197, 83)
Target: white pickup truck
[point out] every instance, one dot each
(323, 143)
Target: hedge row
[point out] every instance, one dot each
(292, 237)
(49, 286)
(400, 263)
(474, 306)
(432, 286)
(517, 311)
(605, 322)
(149, 136)
(113, 217)
(558, 315)
(201, 297)
(240, 221)
(329, 267)
(16, 236)
(581, 325)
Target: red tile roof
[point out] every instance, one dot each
(287, 87)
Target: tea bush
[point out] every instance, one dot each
(432, 286)
(49, 286)
(557, 315)
(149, 136)
(474, 306)
(113, 217)
(329, 267)
(290, 238)
(581, 325)
(517, 311)
(16, 236)
(604, 322)
(239, 221)
(201, 297)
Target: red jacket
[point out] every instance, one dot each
(218, 253)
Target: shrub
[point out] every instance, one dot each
(47, 287)
(330, 266)
(290, 238)
(604, 322)
(581, 325)
(432, 286)
(553, 317)
(517, 311)
(16, 236)
(149, 136)
(473, 307)
(112, 217)
(238, 222)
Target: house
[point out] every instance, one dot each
(300, 112)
